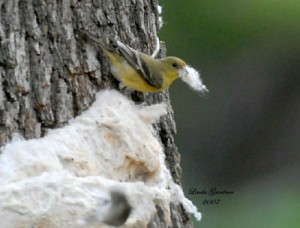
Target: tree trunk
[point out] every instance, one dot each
(49, 75)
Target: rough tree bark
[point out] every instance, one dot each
(49, 75)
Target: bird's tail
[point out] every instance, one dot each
(107, 45)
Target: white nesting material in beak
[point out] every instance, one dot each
(190, 76)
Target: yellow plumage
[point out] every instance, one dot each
(140, 71)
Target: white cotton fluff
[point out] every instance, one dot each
(64, 178)
(194, 80)
(160, 18)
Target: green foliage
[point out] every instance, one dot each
(218, 29)
(248, 52)
(267, 205)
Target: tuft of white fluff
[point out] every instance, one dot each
(65, 178)
(193, 79)
(178, 195)
(160, 18)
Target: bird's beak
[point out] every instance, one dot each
(183, 72)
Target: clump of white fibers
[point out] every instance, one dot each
(194, 80)
(70, 177)
(160, 19)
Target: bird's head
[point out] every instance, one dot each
(176, 67)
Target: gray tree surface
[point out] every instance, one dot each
(49, 74)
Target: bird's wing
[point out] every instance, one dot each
(138, 61)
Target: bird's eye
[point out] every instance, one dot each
(175, 65)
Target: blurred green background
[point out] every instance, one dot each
(245, 135)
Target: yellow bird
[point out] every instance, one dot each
(138, 70)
